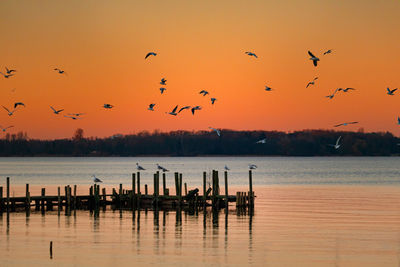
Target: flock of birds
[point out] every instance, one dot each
(177, 110)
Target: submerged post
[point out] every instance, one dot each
(133, 194)
(145, 189)
(59, 199)
(204, 187)
(28, 198)
(185, 189)
(51, 249)
(74, 205)
(42, 200)
(164, 183)
(1, 199)
(176, 183)
(180, 189)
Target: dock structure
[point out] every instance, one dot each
(132, 198)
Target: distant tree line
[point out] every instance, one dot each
(203, 143)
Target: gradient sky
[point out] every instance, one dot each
(200, 45)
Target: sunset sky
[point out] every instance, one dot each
(200, 45)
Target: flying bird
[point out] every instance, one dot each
(203, 92)
(10, 71)
(345, 90)
(150, 54)
(345, 123)
(391, 92)
(60, 71)
(313, 58)
(173, 112)
(162, 168)
(268, 89)
(56, 111)
(251, 54)
(6, 75)
(151, 107)
(108, 106)
(10, 113)
(312, 82)
(96, 180)
(327, 52)
(226, 168)
(18, 104)
(139, 168)
(213, 100)
(195, 108)
(262, 141)
(216, 130)
(76, 114)
(183, 108)
(337, 145)
(332, 95)
(163, 81)
(252, 166)
(162, 89)
(398, 120)
(71, 117)
(4, 129)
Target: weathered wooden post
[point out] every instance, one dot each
(75, 188)
(1, 199)
(185, 189)
(176, 183)
(145, 190)
(8, 195)
(226, 189)
(204, 188)
(43, 197)
(180, 189)
(51, 249)
(251, 194)
(90, 201)
(164, 182)
(138, 190)
(104, 196)
(69, 197)
(59, 200)
(27, 198)
(214, 189)
(133, 193)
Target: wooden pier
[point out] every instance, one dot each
(132, 198)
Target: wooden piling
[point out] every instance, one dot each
(185, 189)
(251, 195)
(145, 190)
(204, 188)
(176, 183)
(28, 198)
(180, 189)
(42, 201)
(8, 194)
(226, 189)
(133, 193)
(74, 202)
(69, 197)
(90, 201)
(138, 182)
(59, 199)
(164, 182)
(1, 199)
(51, 249)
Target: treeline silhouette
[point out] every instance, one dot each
(203, 143)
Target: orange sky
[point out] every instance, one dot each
(102, 44)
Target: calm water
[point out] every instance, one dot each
(309, 212)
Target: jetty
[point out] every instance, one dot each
(132, 198)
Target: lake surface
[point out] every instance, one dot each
(308, 212)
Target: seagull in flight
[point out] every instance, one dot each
(345, 123)
(195, 108)
(151, 107)
(251, 54)
(10, 71)
(162, 89)
(76, 114)
(163, 81)
(332, 95)
(56, 111)
(18, 104)
(312, 82)
(328, 52)
(71, 117)
(226, 168)
(139, 168)
(337, 145)
(213, 100)
(345, 90)
(96, 180)
(203, 92)
(4, 129)
(150, 54)
(10, 113)
(262, 141)
(108, 106)
(268, 89)
(6, 75)
(391, 92)
(216, 130)
(60, 71)
(313, 58)
(173, 112)
(183, 108)
(162, 168)
(252, 166)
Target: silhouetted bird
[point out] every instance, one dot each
(328, 52)
(312, 82)
(108, 106)
(203, 92)
(60, 71)
(251, 54)
(56, 111)
(213, 100)
(391, 92)
(162, 168)
(195, 108)
(96, 180)
(4, 129)
(139, 168)
(150, 54)
(163, 81)
(173, 112)
(313, 58)
(10, 71)
(6, 75)
(151, 107)
(345, 123)
(216, 130)
(162, 89)
(337, 145)
(10, 113)
(18, 104)
(183, 108)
